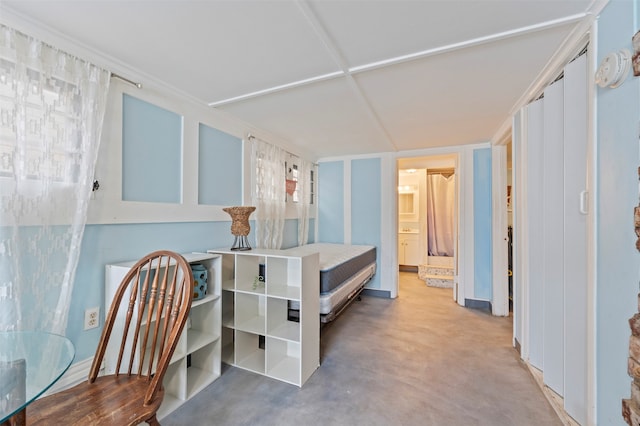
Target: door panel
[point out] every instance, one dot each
(534, 237)
(575, 239)
(553, 349)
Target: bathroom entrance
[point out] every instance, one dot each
(428, 218)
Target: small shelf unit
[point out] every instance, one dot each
(196, 361)
(257, 333)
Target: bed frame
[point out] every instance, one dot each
(344, 272)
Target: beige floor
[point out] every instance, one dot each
(419, 359)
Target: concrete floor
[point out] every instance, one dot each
(417, 360)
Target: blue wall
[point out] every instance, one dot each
(618, 111)
(151, 152)
(482, 224)
(219, 168)
(366, 207)
(331, 202)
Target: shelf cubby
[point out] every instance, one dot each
(203, 370)
(283, 277)
(228, 304)
(283, 360)
(277, 323)
(249, 313)
(247, 272)
(204, 327)
(249, 354)
(174, 388)
(227, 340)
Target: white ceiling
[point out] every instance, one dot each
(388, 75)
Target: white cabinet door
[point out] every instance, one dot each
(409, 249)
(412, 251)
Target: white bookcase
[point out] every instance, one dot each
(257, 334)
(196, 360)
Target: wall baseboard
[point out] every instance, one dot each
(477, 304)
(555, 400)
(407, 268)
(377, 293)
(77, 373)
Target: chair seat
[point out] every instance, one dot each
(110, 400)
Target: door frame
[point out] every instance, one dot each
(424, 160)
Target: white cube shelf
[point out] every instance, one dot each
(257, 333)
(196, 360)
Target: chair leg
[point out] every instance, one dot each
(153, 421)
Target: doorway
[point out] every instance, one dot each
(428, 218)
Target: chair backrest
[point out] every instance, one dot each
(154, 298)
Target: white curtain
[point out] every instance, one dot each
(51, 112)
(304, 199)
(269, 193)
(440, 214)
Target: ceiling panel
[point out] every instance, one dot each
(210, 49)
(324, 117)
(369, 31)
(459, 97)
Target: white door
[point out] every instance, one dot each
(534, 228)
(575, 238)
(553, 247)
(551, 157)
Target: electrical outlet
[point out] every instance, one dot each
(91, 318)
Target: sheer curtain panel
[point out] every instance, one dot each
(269, 193)
(51, 112)
(304, 199)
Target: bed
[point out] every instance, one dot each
(344, 271)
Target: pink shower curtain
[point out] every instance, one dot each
(440, 214)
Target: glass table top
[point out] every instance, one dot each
(30, 362)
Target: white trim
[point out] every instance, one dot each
(499, 238)
(388, 234)
(274, 89)
(592, 226)
(556, 64)
(351, 157)
(77, 373)
(466, 285)
(107, 205)
(469, 43)
(347, 201)
(516, 141)
(461, 254)
(521, 253)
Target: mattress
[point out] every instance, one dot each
(334, 299)
(338, 262)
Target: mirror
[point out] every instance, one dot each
(405, 203)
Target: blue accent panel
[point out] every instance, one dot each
(366, 206)
(219, 168)
(151, 153)
(290, 237)
(482, 229)
(331, 202)
(312, 231)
